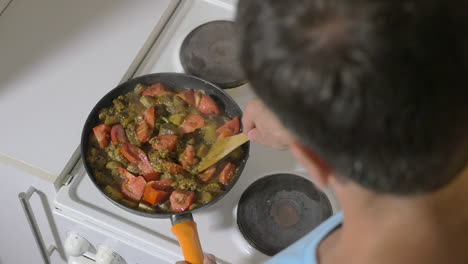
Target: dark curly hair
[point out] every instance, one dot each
(377, 88)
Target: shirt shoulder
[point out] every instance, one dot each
(304, 251)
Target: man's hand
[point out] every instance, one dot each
(207, 259)
(263, 127)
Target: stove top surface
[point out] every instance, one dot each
(210, 52)
(217, 224)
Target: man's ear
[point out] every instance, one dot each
(316, 167)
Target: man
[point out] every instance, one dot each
(374, 96)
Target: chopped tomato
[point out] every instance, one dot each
(152, 176)
(209, 174)
(172, 168)
(188, 96)
(192, 123)
(137, 156)
(143, 131)
(125, 174)
(227, 173)
(154, 196)
(164, 185)
(150, 117)
(156, 89)
(102, 133)
(187, 158)
(229, 129)
(168, 142)
(181, 200)
(133, 188)
(117, 134)
(132, 153)
(208, 106)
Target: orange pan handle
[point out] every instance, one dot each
(185, 229)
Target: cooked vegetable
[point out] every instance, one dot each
(209, 174)
(113, 193)
(208, 106)
(164, 185)
(209, 133)
(158, 138)
(177, 119)
(147, 101)
(192, 123)
(229, 129)
(187, 158)
(227, 173)
(154, 196)
(181, 200)
(154, 90)
(202, 151)
(150, 117)
(164, 142)
(143, 131)
(133, 187)
(118, 135)
(188, 96)
(102, 133)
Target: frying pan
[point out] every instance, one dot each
(183, 225)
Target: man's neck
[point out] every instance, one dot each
(377, 228)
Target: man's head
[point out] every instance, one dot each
(378, 89)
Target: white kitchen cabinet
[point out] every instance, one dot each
(57, 59)
(17, 245)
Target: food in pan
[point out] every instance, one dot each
(145, 150)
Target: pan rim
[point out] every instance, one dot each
(100, 104)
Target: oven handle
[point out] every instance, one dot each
(24, 199)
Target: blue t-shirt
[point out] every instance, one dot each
(304, 251)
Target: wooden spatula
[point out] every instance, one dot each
(220, 149)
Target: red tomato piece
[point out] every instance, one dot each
(132, 153)
(208, 106)
(156, 89)
(133, 188)
(181, 200)
(229, 129)
(227, 173)
(143, 131)
(192, 123)
(188, 96)
(168, 142)
(152, 176)
(187, 158)
(164, 185)
(150, 117)
(173, 168)
(209, 174)
(118, 135)
(102, 134)
(137, 156)
(125, 174)
(154, 196)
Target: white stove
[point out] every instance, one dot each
(82, 211)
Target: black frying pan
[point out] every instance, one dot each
(183, 225)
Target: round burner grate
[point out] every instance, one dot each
(210, 52)
(277, 210)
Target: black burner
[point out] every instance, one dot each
(210, 52)
(277, 210)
